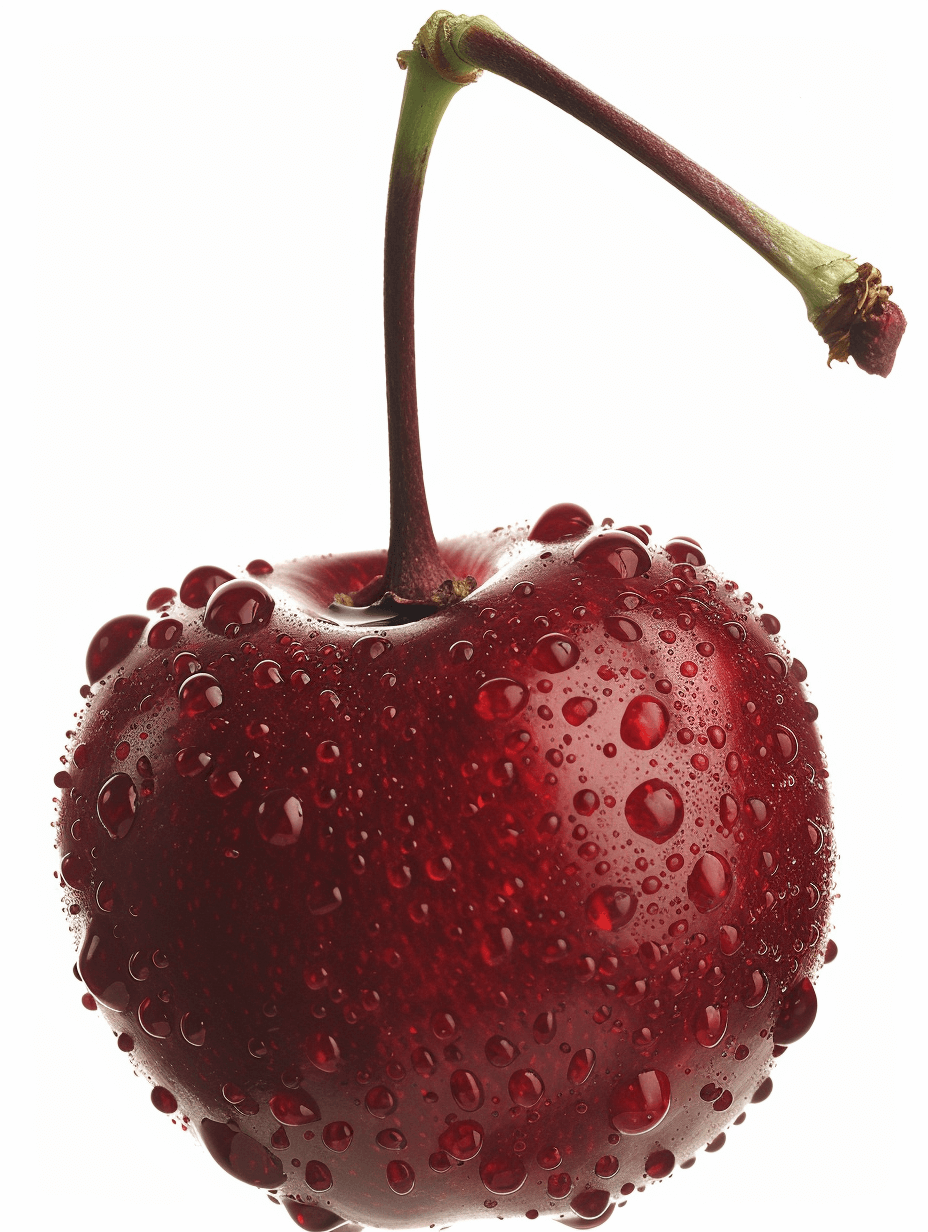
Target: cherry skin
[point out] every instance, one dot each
(501, 908)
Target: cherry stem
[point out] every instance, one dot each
(415, 568)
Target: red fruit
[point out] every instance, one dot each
(346, 879)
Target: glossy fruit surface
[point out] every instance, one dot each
(500, 910)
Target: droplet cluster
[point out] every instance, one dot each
(507, 909)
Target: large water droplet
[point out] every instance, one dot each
(156, 1018)
(280, 818)
(644, 723)
(163, 1100)
(654, 810)
(501, 699)
(462, 1139)
(526, 1088)
(117, 801)
(590, 1204)
(323, 1051)
(606, 1167)
(710, 1025)
(613, 553)
(101, 968)
(400, 1176)
(640, 1103)
(294, 1107)
(503, 1173)
(200, 583)
(581, 1066)
(338, 1136)
(563, 521)
(318, 1176)
(380, 1102)
(110, 645)
(621, 628)
(241, 1156)
(797, 1015)
(576, 710)
(554, 653)
(500, 1052)
(467, 1090)
(659, 1164)
(544, 1028)
(710, 882)
(199, 694)
(684, 551)
(164, 634)
(237, 605)
(610, 908)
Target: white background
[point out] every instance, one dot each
(195, 196)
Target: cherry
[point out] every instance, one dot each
(482, 876)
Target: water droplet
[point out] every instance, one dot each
(266, 674)
(117, 801)
(659, 1164)
(400, 1176)
(200, 583)
(586, 803)
(786, 743)
(111, 644)
(337, 1135)
(500, 1052)
(554, 653)
(466, 1090)
(237, 605)
(639, 1104)
(710, 882)
(193, 1029)
(544, 1028)
(759, 985)
(444, 1026)
(462, 1139)
(730, 940)
(503, 1173)
(606, 1167)
(294, 1107)
(576, 710)
(591, 1204)
(621, 628)
(613, 552)
(526, 1088)
(163, 1100)
(763, 1091)
(581, 1066)
(280, 818)
(124, 1042)
(757, 813)
(710, 1025)
(318, 1176)
(563, 521)
(684, 551)
(199, 694)
(155, 1017)
(611, 908)
(100, 967)
(644, 723)
(797, 1014)
(190, 763)
(241, 1156)
(501, 699)
(777, 665)
(160, 598)
(559, 1185)
(654, 810)
(164, 634)
(380, 1102)
(74, 871)
(548, 1157)
(323, 1051)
